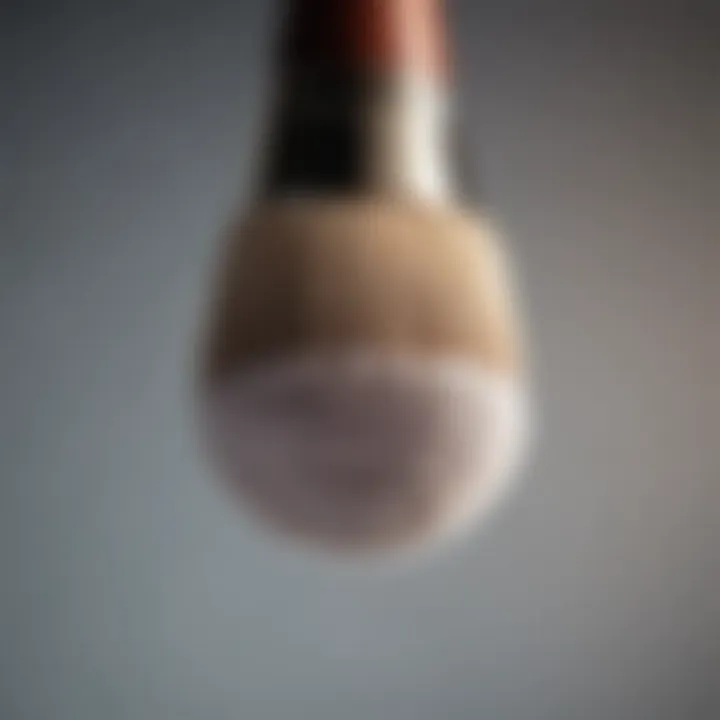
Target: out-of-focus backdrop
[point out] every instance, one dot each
(130, 588)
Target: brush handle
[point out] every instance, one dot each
(377, 36)
(364, 102)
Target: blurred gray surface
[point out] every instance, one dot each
(131, 589)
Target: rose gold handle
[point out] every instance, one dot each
(381, 36)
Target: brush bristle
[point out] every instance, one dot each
(368, 452)
(308, 274)
(362, 386)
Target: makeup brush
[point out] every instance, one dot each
(363, 381)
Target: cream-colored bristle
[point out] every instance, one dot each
(361, 451)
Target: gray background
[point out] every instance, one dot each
(131, 589)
